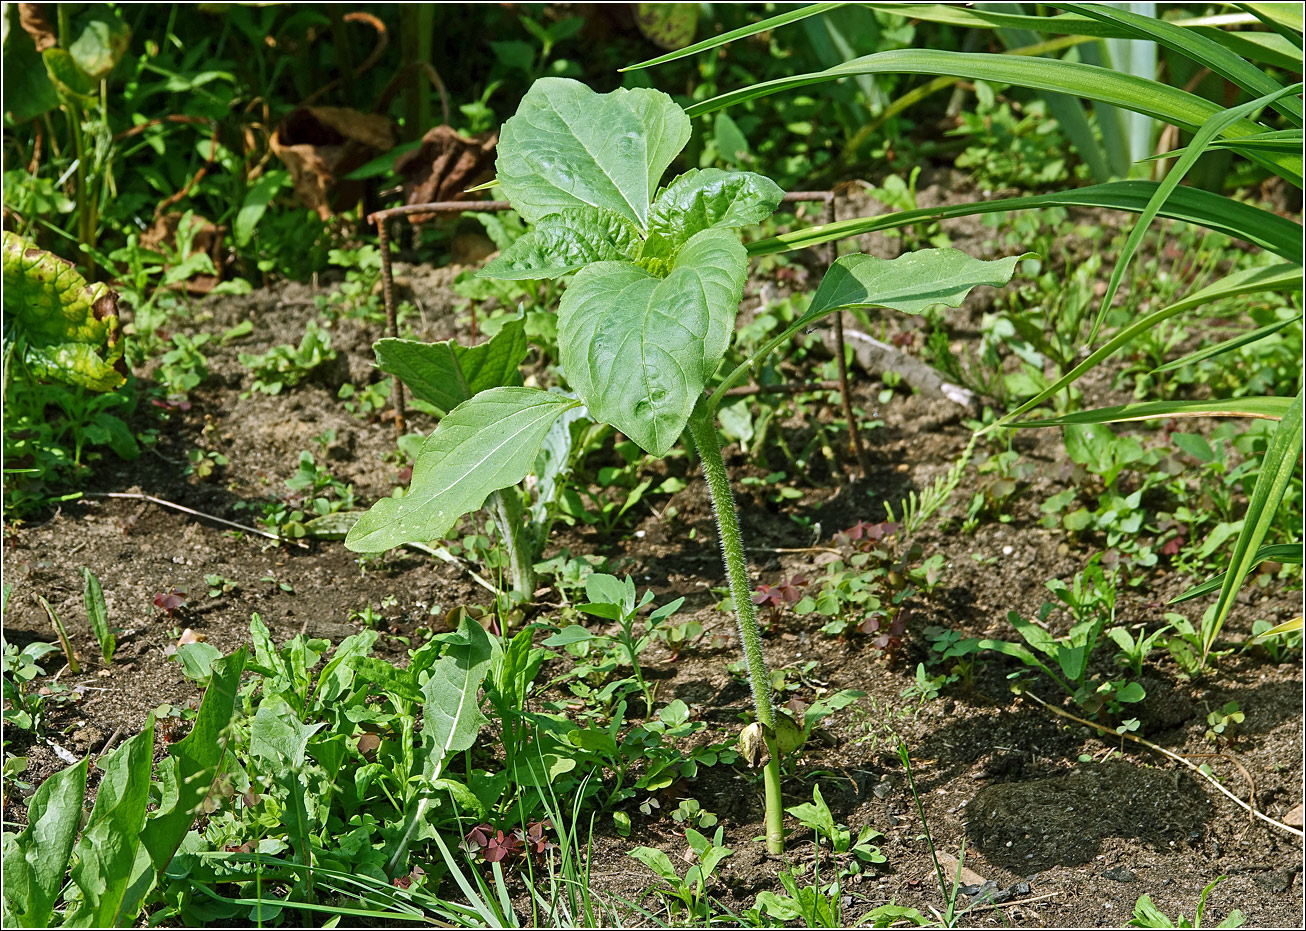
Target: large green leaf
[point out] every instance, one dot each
(106, 854)
(447, 373)
(910, 283)
(67, 330)
(638, 350)
(36, 859)
(484, 444)
(1242, 221)
(103, 39)
(194, 763)
(708, 199)
(563, 242)
(451, 707)
(1277, 467)
(567, 147)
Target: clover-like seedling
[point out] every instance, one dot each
(643, 325)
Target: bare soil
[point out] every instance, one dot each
(1073, 843)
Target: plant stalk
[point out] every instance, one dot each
(506, 511)
(703, 429)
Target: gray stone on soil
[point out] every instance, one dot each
(1121, 874)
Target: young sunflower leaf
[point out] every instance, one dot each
(568, 146)
(708, 199)
(484, 444)
(564, 242)
(910, 283)
(447, 373)
(639, 349)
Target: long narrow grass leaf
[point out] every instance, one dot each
(743, 32)
(1276, 552)
(1277, 467)
(1268, 408)
(1211, 130)
(1201, 49)
(1282, 277)
(1242, 221)
(1227, 346)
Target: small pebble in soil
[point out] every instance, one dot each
(1121, 874)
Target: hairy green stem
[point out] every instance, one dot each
(703, 429)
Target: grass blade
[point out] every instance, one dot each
(1276, 471)
(1216, 125)
(1227, 346)
(1201, 49)
(743, 32)
(1263, 408)
(1233, 218)
(1278, 552)
(1281, 277)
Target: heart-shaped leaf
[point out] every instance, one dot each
(708, 199)
(564, 242)
(484, 444)
(638, 350)
(569, 147)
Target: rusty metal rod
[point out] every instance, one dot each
(391, 319)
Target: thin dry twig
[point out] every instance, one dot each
(138, 496)
(1174, 756)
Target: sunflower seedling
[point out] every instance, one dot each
(658, 273)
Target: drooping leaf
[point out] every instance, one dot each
(563, 242)
(36, 859)
(451, 708)
(68, 329)
(69, 80)
(106, 854)
(568, 147)
(910, 283)
(194, 762)
(447, 373)
(712, 198)
(638, 350)
(484, 444)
